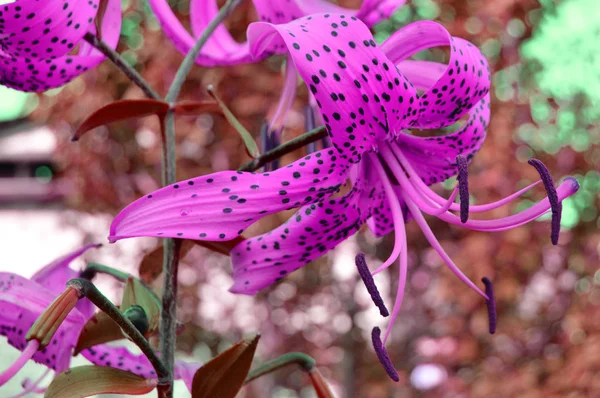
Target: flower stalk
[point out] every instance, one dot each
(89, 290)
(168, 323)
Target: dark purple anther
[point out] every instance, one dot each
(382, 354)
(491, 304)
(555, 205)
(463, 187)
(367, 278)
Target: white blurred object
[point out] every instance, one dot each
(428, 376)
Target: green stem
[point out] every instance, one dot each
(120, 63)
(172, 247)
(89, 290)
(290, 146)
(306, 362)
(104, 269)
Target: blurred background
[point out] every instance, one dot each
(56, 195)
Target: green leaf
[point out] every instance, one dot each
(251, 146)
(224, 375)
(86, 381)
(136, 293)
(99, 329)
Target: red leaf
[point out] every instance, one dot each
(121, 110)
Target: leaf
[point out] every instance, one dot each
(136, 293)
(196, 107)
(121, 110)
(224, 375)
(251, 146)
(99, 329)
(152, 263)
(86, 381)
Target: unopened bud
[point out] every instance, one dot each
(48, 323)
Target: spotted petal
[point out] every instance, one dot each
(311, 232)
(463, 83)
(122, 358)
(55, 275)
(30, 28)
(220, 206)
(40, 69)
(434, 158)
(370, 11)
(221, 49)
(21, 302)
(360, 94)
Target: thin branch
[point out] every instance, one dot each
(89, 290)
(120, 63)
(290, 146)
(172, 247)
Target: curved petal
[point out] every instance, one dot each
(221, 49)
(463, 84)
(311, 232)
(360, 94)
(122, 358)
(21, 302)
(370, 11)
(39, 74)
(434, 158)
(55, 275)
(33, 29)
(221, 205)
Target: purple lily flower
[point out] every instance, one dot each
(368, 105)
(36, 38)
(23, 300)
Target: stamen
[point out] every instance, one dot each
(491, 304)
(555, 205)
(463, 187)
(420, 220)
(88, 274)
(309, 124)
(287, 95)
(400, 246)
(26, 355)
(365, 274)
(428, 192)
(382, 354)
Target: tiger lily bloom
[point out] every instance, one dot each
(23, 300)
(36, 39)
(368, 106)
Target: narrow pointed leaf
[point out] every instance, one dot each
(86, 381)
(196, 107)
(251, 146)
(99, 329)
(224, 376)
(121, 110)
(136, 293)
